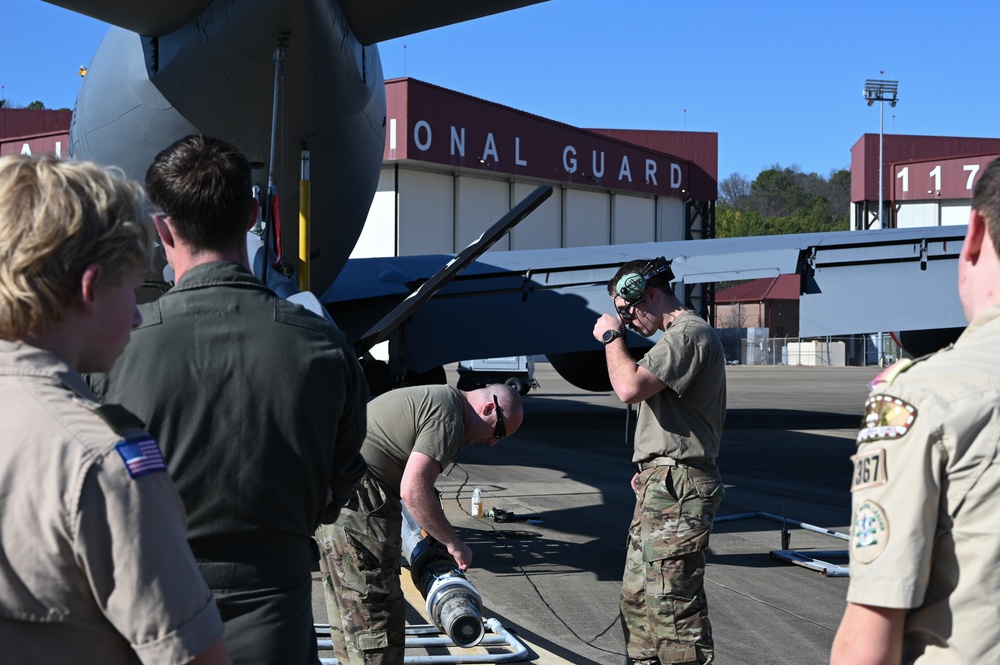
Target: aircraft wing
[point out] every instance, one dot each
(546, 301)
(372, 20)
(891, 280)
(378, 20)
(145, 17)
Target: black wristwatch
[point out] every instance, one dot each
(610, 336)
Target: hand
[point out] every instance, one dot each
(604, 324)
(462, 555)
(635, 484)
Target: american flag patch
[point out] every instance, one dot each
(141, 456)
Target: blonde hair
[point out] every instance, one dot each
(56, 218)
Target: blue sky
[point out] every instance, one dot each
(780, 81)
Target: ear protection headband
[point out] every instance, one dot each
(632, 286)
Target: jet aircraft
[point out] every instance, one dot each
(279, 76)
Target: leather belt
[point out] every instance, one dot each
(670, 461)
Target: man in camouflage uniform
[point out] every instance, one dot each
(925, 541)
(413, 434)
(681, 387)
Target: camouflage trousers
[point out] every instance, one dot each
(364, 600)
(664, 611)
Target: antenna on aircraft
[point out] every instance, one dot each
(440, 279)
(272, 219)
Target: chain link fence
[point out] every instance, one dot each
(752, 346)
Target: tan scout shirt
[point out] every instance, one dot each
(94, 565)
(925, 531)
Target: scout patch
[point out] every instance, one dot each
(141, 456)
(869, 469)
(886, 417)
(869, 532)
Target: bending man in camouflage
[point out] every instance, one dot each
(413, 434)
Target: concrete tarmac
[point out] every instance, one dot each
(553, 576)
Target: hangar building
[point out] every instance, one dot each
(927, 180)
(454, 164)
(30, 131)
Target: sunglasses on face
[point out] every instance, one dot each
(499, 430)
(627, 311)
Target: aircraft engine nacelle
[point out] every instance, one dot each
(588, 370)
(216, 75)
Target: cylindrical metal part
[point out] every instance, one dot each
(461, 619)
(454, 606)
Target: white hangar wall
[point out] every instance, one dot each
(421, 211)
(478, 204)
(586, 218)
(913, 214)
(955, 213)
(543, 227)
(932, 213)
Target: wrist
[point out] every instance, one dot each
(611, 335)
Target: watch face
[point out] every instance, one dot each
(609, 336)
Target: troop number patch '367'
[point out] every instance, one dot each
(869, 469)
(886, 417)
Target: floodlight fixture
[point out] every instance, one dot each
(881, 91)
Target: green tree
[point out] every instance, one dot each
(783, 200)
(733, 223)
(734, 191)
(778, 192)
(37, 105)
(840, 195)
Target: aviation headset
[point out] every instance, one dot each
(633, 285)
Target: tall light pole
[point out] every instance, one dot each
(881, 91)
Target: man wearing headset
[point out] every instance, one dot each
(681, 385)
